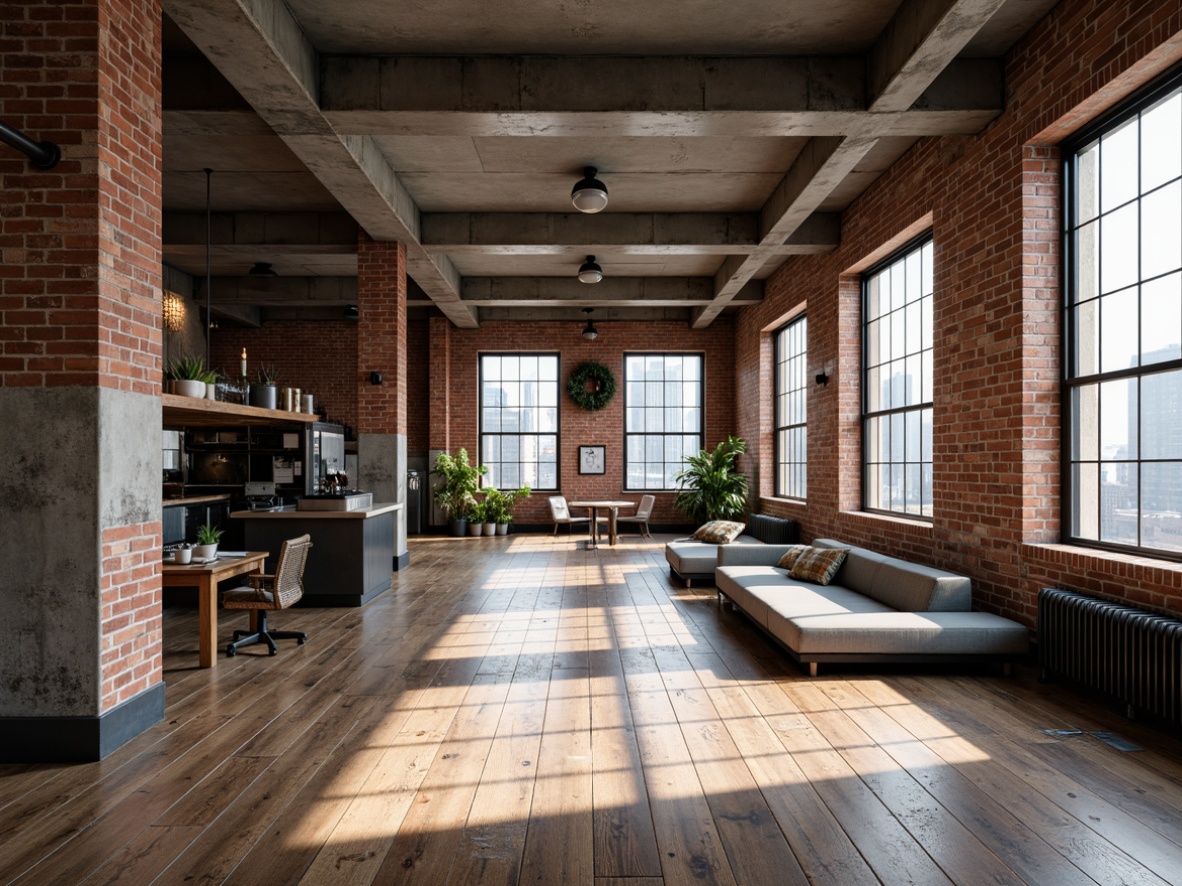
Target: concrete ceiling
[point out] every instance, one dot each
(730, 136)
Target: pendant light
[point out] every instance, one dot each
(590, 332)
(262, 269)
(589, 271)
(589, 193)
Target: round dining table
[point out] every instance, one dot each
(594, 507)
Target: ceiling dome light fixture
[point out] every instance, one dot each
(590, 332)
(589, 193)
(262, 269)
(589, 271)
(351, 312)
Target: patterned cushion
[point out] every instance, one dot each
(723, 532)
(791, 556)
(701, 531)
(818, 564)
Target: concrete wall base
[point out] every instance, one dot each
(79, 739)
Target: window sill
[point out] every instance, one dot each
(1081, 556)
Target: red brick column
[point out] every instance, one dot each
(440, 384)
(80, 368)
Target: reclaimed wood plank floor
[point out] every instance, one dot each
(521, 710)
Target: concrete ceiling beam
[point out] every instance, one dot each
(335, 231)
(918, 44)
(283, 291)
(603, 317)
(524, 233)
(611, 291)
(258, 46)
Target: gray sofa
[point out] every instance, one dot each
(690, 560)
(876, 609)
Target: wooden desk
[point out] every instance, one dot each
(594, 507)
(205, 577)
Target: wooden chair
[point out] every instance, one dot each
(265, 593)
(560, 513)
(640, 518)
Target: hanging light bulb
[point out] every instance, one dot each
(589, 271)
(590, 332)
(589, 193)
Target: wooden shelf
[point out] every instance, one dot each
(192, 412)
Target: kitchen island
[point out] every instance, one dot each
(352, 556)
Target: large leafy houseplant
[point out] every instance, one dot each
(711, 486)
(459, 481)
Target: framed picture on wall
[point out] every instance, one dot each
(591, 460)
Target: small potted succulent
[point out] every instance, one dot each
(265, 395)
(207, 542)
(188, 376)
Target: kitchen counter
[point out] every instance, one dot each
(352, 556)
(291, 513)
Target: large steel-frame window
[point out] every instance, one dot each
(1123, 302)
(519, 420)
(663, 417)
(791, 409)
(897, 382)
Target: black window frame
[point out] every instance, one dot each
(1070, 152)
(899, 255)
(779, 408)
(481, 433)
(701, 433)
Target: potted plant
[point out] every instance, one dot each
(212, 377)
(711, 486)
(265, 395)
(490, 511)
(207, 542)
(188, 376)
(456, 491)
(506, 504)
(475, 515)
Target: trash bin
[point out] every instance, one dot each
(414, 502)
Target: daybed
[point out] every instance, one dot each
(690, 560)
(876, 609)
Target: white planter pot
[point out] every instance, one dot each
(189, 388)
(204, 552)
(490, 528)
(475, 529)
(502, 529)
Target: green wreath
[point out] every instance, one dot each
(603, 385)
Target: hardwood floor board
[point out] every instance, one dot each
(144, 858)
(755, 846)
(625, 841)
(221, 846)
(823, 849)
(690, 845)
(1156, 852)
(1074, 840)
(521, 710)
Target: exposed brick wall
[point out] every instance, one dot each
(418, 388)
(992, 202)
(579, 427)
(318, 358)
(381, 336)
(80, 276)
(130, 617)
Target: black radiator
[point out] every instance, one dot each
(1129, 654)
(773, 530)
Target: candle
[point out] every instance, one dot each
(244, 362)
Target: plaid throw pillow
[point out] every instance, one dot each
(701, 531)
(791, 556)
(818, 564)
(723, 532)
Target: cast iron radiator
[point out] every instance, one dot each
(1129, 654)
(773, 530)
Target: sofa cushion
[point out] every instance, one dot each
(818, 564)
(902, 585)
(719, 532)
(760, 591)
(689, 557)
(788, 560)
(897, 633)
